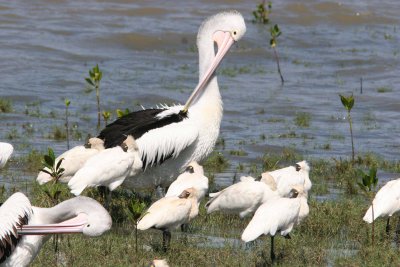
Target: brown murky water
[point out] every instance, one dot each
(146, 51)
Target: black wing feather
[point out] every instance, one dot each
(9, 241)
(136, 124)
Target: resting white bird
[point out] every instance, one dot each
(386, 203)
(285, 178)
(108, 168)
(6, 150)
(73, 160)
(242, 198)
(24, 228)
(192, 177)
(170, 212)
(158, 263)
(278, 215)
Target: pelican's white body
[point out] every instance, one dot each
(386, 201)
(193, 138)
(169, 213)
(108, 168)
(6, 150)
(242, 198)
(285, 178)
(278, 214)
(186, 180)
(29, 246)
(74, 159)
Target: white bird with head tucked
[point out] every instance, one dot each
(169, 138)
(6, 150)
(286, 177)
(73, 160)
(242, 198)
(25, 228)
(170, 212)
(278, 215)
(193, 176)
(386, 203)
(108, 168)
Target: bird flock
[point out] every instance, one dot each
(160, 148)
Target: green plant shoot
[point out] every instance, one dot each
(275, 32)
(261, 14)
(93, 80)
(369, 181)
(121, 113)
(106, 116)
(67, 103)
(135, 213)
(348, 103)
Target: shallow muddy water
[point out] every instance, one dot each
(146, 51)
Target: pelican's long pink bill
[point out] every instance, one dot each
(74, 225)
(224, 41)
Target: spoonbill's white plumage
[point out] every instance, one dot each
(108, 168)
(278, 215)
(169, 138)
(386, 203)
(192, 177)
(286, 177)
(170, 212)
(158, 263)
(73, 160)
(242, 198)
(24, 228)
(6, 150)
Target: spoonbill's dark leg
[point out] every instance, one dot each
(166, 240)
(272, 249)
(388, 226)
(397, 233)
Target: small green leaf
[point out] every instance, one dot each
(89, 81)
(46, 171)
(48, 160)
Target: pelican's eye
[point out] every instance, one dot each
(88, 225)
(234, 32)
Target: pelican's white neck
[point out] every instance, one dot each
(211, 93)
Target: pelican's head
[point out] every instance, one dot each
(82, 214)
(223, 29)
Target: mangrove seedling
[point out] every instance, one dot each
(368, 183)
(135, 213)
(51, 167)
(275, 32)
(93, 80)
(53, 190)
(348, 103)
(106, 116)
(67, 103)
(121, 113)
(261, 14)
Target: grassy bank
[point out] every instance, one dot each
(333, 234)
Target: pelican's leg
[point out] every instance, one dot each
(388, 226)
(166, 240)
(272, 249)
